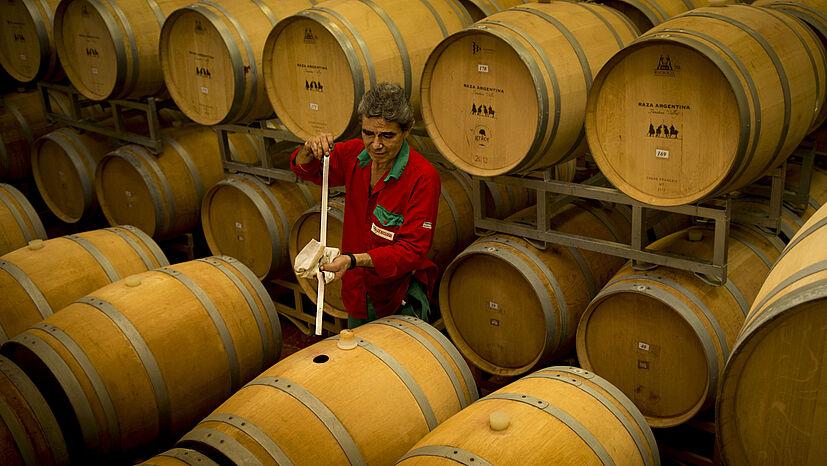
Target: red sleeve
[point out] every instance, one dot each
(312, 171)
(415, 235)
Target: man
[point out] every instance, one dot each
(392, 194)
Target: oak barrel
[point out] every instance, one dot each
(558, 415)
(365, 405)
(29, 433)
(245, 218)
(646, 14)
(480, 9)
(771, 404)
(180, 457)
(662, 336)
(211, 55)
(27, 46)
(139, 361)
(507, 330)
(109, 50)
(19, 222)
(162, 194)
(45, 277)
(453, 232)
(676, 117)
(508, 94)
(319, 62)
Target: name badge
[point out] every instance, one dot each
(381, 232)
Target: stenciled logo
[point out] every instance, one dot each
(203, 72)
(665, 67)
(198, 26)
(482, 135)
(475, 48)
(662, 131)
(309, 38)
(91, 52)
(313, 86)
(482, 110)
(19, 37)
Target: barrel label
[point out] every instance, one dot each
(314, 107)
(643, 346)
(661, 153)
(482, 68)
(493, 306)
(665, 67)
(643, 364)
(481, 135)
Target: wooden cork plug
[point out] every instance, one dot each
(499, 420)
(695, 235)
(36, 244)
(347, 340)
(132, 281)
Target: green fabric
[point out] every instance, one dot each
(416, 305)
(399, 163)
(388, 218)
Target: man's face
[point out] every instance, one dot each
(383, 139)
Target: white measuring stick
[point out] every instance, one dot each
(323, 241)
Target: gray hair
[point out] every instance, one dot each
(388, 101)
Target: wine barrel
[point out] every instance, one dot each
(646, 14)
(480, 9)
(19, 222)
(507, 330)
(247, 219)
(162, 194)
(29, 433)
(662, 336)
(697, 77)
(45, 277)
(109, 50)
(157, 351)
(452, 232)
(418, 376)
(211, 57)
(508, 94)
(27, 46)
(772, 397)
(558, 415)
(319, 62)
(179, 456)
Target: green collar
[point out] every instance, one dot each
(398, 165)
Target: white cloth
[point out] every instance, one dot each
(311, 257)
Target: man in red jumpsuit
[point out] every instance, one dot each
(391, 199)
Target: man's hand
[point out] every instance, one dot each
(315, 148)
(338, 267)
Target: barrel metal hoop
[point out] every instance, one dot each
(306, 193)
(263, 295)
(400, 44)
(187, 159)
(738, 90)
(285, 227)
(570, 421)
(584, 268)
(251, 59)
(457, 221)
(499, 203)
(156, 10)
(776, 61)
(24, 229)
(810, 292)
(96, 254)
(817, 267)
(449, 348)
(462, 13)
(267, 347)
(147, 241)
(317, 407)
(602, 20)
(252, 431)
(18, 433)
(83, 169)
(651, 11)
(350, 54)
(37, 404)
(121, 87)
(464, 181)
(621, 398)
(24, 125)
(190, 457)
(800, 236)
(148, 361)
(36, 14)
(455, 454)
(218, 322)
(29, 287)
(623, 19)
(228, 446)
(436, 17)
(552, 319)
(774, 240)
(233, 50)
(596, 213)
(267, 12)
(146, 159)
(537, 149)
(766, 260)
(69, 383)
(134, 245)
(4, 157)
(446, 367)
(738, 296)
(233, 151)
(404, 376)
(599, 397)
(27, 208)
(161, 222)
(629, 283)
